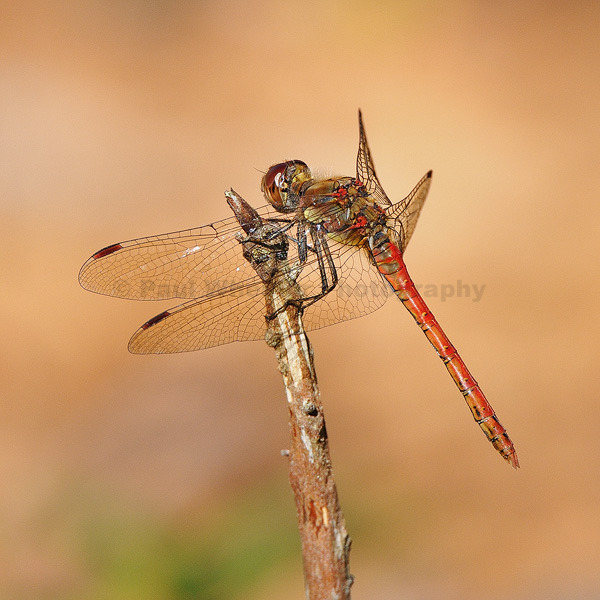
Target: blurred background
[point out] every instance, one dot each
(160, 477)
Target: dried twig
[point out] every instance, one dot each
(325, 542)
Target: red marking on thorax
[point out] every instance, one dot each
(359, 223)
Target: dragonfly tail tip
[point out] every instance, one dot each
(513, 460)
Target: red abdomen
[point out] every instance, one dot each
(390, 263)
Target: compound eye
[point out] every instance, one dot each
(275, 186)
(272, 183)
(283, 184)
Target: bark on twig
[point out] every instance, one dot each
(325, 542)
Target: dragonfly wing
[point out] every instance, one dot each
(403, 215)
(360, 289)
(236, 315)
(183, 264)
(365, 168)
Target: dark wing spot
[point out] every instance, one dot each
(156, 319)
(106, 251)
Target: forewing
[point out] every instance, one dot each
(365, 168)
(183, 264)
(403, 215)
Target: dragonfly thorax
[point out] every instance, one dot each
(344, 209)
(283, 183)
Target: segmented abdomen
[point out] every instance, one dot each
(390, 263)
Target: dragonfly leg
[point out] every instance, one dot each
(277, 228)
(302, 243)
(327, 269)
(329, 275)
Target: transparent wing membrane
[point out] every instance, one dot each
(225, 297)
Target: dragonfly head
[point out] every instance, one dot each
(283, 184)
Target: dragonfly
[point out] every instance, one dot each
(345, 240)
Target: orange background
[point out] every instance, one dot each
(160, 476)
